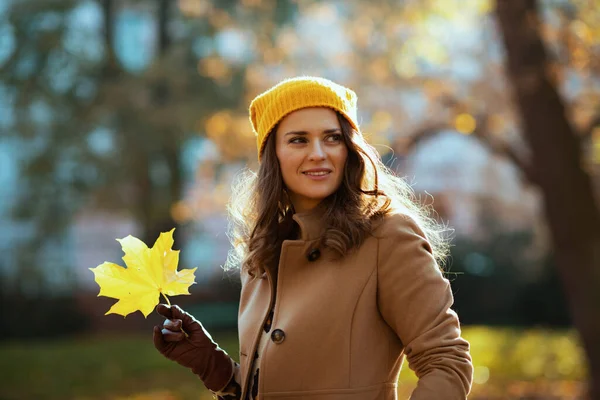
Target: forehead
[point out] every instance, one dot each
(310, 119)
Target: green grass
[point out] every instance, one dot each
(506, 361)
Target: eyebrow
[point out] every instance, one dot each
(306, 133)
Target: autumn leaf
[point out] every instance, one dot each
(149, 273)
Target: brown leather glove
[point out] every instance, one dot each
(196, 351)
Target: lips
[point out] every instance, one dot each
(317, 172)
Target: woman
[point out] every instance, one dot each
(338, 267)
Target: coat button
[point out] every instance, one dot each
(278, 336)
(313, 255)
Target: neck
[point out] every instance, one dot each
(305, 205)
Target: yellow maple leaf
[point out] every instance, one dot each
(149, 273)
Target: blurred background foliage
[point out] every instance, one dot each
(509, 363)
(126, 117)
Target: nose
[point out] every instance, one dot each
(317, 152)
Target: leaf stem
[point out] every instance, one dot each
(166, 298)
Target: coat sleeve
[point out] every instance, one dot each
(233, 390)
(415, 299)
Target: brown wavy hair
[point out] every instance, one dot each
(260, 211)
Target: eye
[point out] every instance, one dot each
(334, 138)
(297, 139)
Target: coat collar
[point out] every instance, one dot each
(310, 223)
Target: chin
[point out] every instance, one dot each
(317, 196)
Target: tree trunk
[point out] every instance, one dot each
(570, 209)
(110, 66)
(162, 221)
(164, 40)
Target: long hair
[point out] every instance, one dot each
(260, 211)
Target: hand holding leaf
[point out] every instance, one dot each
(149, 272)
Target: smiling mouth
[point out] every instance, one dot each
(320, 173)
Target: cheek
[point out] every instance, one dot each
(288, 162)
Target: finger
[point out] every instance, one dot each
(164, 310)
(157, 336)
(188, 321)
(170, 336)
(172, 325)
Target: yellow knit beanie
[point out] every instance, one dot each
(269, 107)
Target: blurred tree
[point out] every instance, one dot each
(489, 268)
(150, 145)
(570, 208)
(100, 135)
(491, 271)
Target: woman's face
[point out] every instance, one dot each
(312, 155)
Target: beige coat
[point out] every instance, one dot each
(341, 329)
